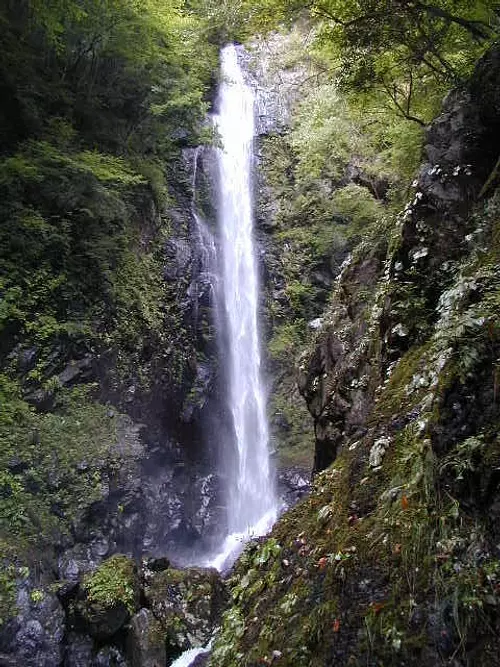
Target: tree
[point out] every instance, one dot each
(403, 48)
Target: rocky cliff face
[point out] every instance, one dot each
(394, 557)
(133, 469)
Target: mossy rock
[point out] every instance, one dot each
(146, 641)
(110, 597)
(187, 603)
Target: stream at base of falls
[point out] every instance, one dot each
(186, 658)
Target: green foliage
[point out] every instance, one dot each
(409, 52)
(323, 135)
(334, 128)
(100, 98)
(37, 596)
(41, 159)
(316, 213)
(400, 145)
(7, 587)
(358, 205)
(234, 628)
(52, 464)
(270, 549)
(113, 582)
(287, 339)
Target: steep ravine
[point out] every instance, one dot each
(142, 465)
(107, 369)
(394, 558)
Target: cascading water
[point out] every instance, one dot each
(252, 505)
(206, 279)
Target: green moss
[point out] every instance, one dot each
(359, 206)
(8, 574)
(54, 466)
(397, 396)
(114, 581)
(368, 568)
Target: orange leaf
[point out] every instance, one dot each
(377, 607)
(396, 549)
(404, 502)
(323, 562)
(336, 625)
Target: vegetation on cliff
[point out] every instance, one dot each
(98, 101)
(363, 80)
(387, 292)
(393, 559)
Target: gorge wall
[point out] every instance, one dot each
(382, 360)
(393, 558)
(108, 388)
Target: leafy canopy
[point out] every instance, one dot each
(405, 49)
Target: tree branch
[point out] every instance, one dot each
(321, 10)
(393, 96)
(478, 29)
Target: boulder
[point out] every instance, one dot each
(109, 597)
(145, 641)
(185, 607)
(109, 656)
(79, 650)
(34, 637)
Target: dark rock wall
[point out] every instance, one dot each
(162, 494)
(436, 231)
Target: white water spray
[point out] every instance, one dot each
(252, 505)
(187, 658)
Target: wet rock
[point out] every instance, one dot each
(17, 466)
(197, 397)
(108, 598)
(182, 513)
(157, 564)
(67, 590)
(103, 622)
(206, 519)
(178, 254)
(276, 90)
(34, 637)
(187, 604)
(27, 359)
(109, 656)
(377, 452)
(145, 641)
(201, 660)
(75, 369)
(79, 649)
(294, 483)
(74, 563)
(337, 378)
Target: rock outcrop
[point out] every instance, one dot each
(393, 559)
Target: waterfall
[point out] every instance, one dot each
(206, 279)
(252, 505)
(186, 659)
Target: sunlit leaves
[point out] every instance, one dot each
(404, 49)
(323, 135)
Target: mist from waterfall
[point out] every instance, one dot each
(252, 505)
